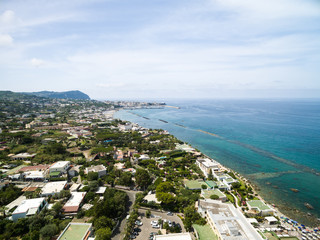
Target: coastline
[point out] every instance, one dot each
(257, 189)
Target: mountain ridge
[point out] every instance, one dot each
(75, 94)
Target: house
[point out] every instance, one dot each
(125, 128)
(34, 176)
(100, 169)
(22, 156)
(59, 168)
(207, 165)
(119, 166)
(271, 220)
(144, 157)
(82, 230)
(101, 190)
(73, 204)
(260, 207)
(118, 155)
(208, 193)
(53, 188)
(29, 207)
(130, 170)
(184, 147)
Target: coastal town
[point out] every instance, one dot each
(69, 171)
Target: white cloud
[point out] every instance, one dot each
(8, 17)
(36, 62)
(190, 47)
(5, 40)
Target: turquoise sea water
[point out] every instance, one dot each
(273, 143)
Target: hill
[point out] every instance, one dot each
(65, 95)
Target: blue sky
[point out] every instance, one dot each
(131, 49)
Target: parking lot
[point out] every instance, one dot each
(147, 228)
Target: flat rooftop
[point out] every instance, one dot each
(194, 184)
(258, 204)
(205, 232)
(229, 221)
(75, 199)
(174, 236)
(101, 190)
(34, 168)
(60, 164)
(16, 202)
(75, 231)
(53, 187)
(212, 184)
(208, 162)
(208, 193)
(28, 204)
(96, 168)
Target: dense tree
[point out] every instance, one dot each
(125, 179)
(143, 178)
(103, 234)
(48, 231)
(214, 197)
(93, 176)
(8, 194)
(55, 148)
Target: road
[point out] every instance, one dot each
(119, 232)
(235, 200)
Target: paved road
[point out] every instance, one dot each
(119, 232)
(235, 200)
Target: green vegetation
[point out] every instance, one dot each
(8, 194)
(205, 232)
(79, 131)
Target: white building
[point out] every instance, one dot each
(34, 175)
(22, 156)
(260, 207)
(73, 204)
(61, 166)
(53, 188)
(100, 169)
(173, 236)
(144, 157)
(207, 165)
(226, 221)
(29, 207)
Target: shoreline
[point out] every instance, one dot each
(256, 189)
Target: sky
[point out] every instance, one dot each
(140, 49)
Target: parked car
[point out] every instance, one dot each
(153, 222)
(139, 223)
(155, 225)
(169, 213)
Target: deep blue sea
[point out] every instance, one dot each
(273, 143)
